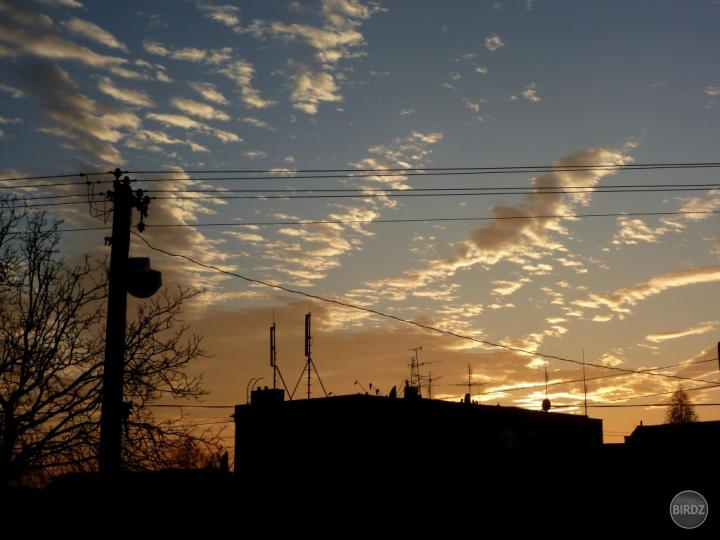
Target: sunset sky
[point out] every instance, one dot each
(499, 190)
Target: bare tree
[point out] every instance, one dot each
(52, 339)
(681, 409)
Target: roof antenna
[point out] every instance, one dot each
(273, 357)
(309, 364)
(584, 384)
(546, 401)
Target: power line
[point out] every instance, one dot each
(413, 220)
(587, 379)
(442, 170)
(291, 193)
(401, 171)
(420, 325)
(411, 192)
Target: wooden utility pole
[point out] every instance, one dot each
(112, 411)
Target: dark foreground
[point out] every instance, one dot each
(619, 493)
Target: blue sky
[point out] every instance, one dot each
(482, 179)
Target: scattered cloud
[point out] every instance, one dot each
(209, 92)
(675, 334)
(493, 42)
(226, 15)
(312, 88)
(131, 97)
(94, 33)
(530, 93)
(201, 110)
(620, 300)
(14, 92)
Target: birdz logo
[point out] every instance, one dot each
(688, 509)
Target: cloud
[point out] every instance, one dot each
(630, 296)
(34, 34)
(82, 123)
(176, 120)
(94, 33)
(505, 288)
(255, 154)
(186, 123)
(336, 38)
(523, 232)
(633, 231)
(493, 42)
(132, 97)
(516, 228)
(330, 44)
(310, 89)
(308, 252)
(237, 70)
(4, 120)
(66, 3)
(703, 206)
(222, 14)
(674, 334)
(153, 141)
(14, 92)
(530, 93)
(241, 73)
(257, 123)
(202, 110)
(209, 92)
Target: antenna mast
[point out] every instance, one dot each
(309, 365)
(470, 384)
(273, 358)
(584, 384)
(546, 402)
(414, 367)
(273, 354)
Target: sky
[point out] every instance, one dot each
(513, 199)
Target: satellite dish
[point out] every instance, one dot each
(546, 404)
(142, 282)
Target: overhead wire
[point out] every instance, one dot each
(544, 385)
(415, 323)
(589, 379)
(404, 220)
(436, 191)
(293, 193)
(400, 171)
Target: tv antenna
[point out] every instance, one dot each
(309, 365)
(415, 377)
(584, 383)
(546, 401)
(470, 384)
(414, 367)
(430, 380)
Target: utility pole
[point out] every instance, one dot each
(113, 408)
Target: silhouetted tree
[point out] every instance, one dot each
(680, 410)
(52, 340)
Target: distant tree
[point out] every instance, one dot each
(680, 410)
(192, 454)
(52, 336)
